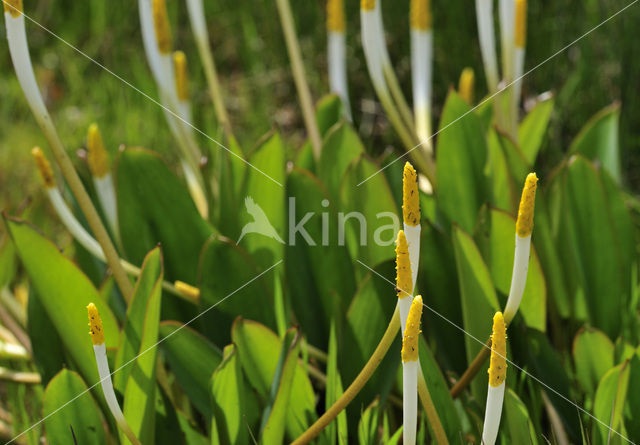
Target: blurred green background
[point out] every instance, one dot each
(253, 66)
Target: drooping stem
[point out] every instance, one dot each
(472, 370)
(299, 77)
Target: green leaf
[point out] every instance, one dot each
(333, 391)
(192, 359)
(460, 158)
(633, 398)
(533, 129)
(7, 260)
(368, 425)
(258, 349)
(140, 391)
(82, 416)
(155, 207)
(64, 292)
(609, 404)
(504, 194)
(479, 302)
(328, 112)
(48, 349)
(273, 421)
(340, 148)
(519, 428)
(599, 139)
(593, 357)
(228, 399)
(496, 239)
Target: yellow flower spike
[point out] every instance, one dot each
(95, 325)
(524, 224)
(161, 24)
(404, 283)
(498, 363)
(13, 7)
(187, 290)
(368, 5)
(420, 14)
(410, 196)
(97, 155)
(335, 16)
(412, 332)
(182, 75)
(521, 23)
(44, 167)
(466, 85)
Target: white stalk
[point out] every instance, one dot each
(518, 70)
(493, 412)
(484, 17)
(421, 75)
(413, 240)
(107, 197)
(518, 277)
(409, 401)
(371, 44)
(337, 65)
(404, 304)
(507, 34)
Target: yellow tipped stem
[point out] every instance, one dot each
(95, 325)
(188, 291)
(420, 14)
(44, 167)
(404, 282)
(521, 23)
(335, 16)
(13, 7)
(466, 85)
(97, 155)
(182, 75)
(412, 332)
(498, 362)
(524, 224)
(410, 196)
(161, 25)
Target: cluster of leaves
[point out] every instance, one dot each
(250, 363)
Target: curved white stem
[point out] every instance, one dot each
(507, 13)
(484, 17)
(337, 65)
(518, 277)
(107, 197)
(409, 402)
(492, 414)
(371, 44)
(421, 75)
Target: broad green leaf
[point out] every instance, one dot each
(192, 359)
(496, 238)
(518, 425)
(479, 302)
(64, 292)
(155, 207)
(340, 148)
(460, 158)
(593, 357)
(48, 349)
(140, 390)
(328, 112)
(503, 188)
(228, 397)
(608, 405)
(517, 162)
(599, 139)
(533, 129)
(335, 432)
(82, 416)
(227, 278)
(168, 428)
(633, 398)
(131, 335)
(258, 349)
(274, 416)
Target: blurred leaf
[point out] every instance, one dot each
(140, 391)
(155, 207)
(599, 139)
(273, 420)
(168, 428)
(82, 416)
(335, 432)
(328, 112)
(517, 162)
(479, 303)
(368, 426)
(496, 238)
(48, 349)
(192, 359)
(64, 292)
(228, 397)
(503, 188)
(609, 403)
(258, 350)
(533, 129)
(593, 357)
(460, 158)
(633, 398)
(519, 428)
(7, 260)
(340, 148)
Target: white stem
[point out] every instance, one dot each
(518, 69)
(196, 16)
(519, 276)
(149, 37)
(413, 240)
(492, 414)
(107, 198)
(195, 190)
(484, 17)
(370, 45)
(404, 304)
(507, 33)
(421, 75)
(409, 402)
(337, 65)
